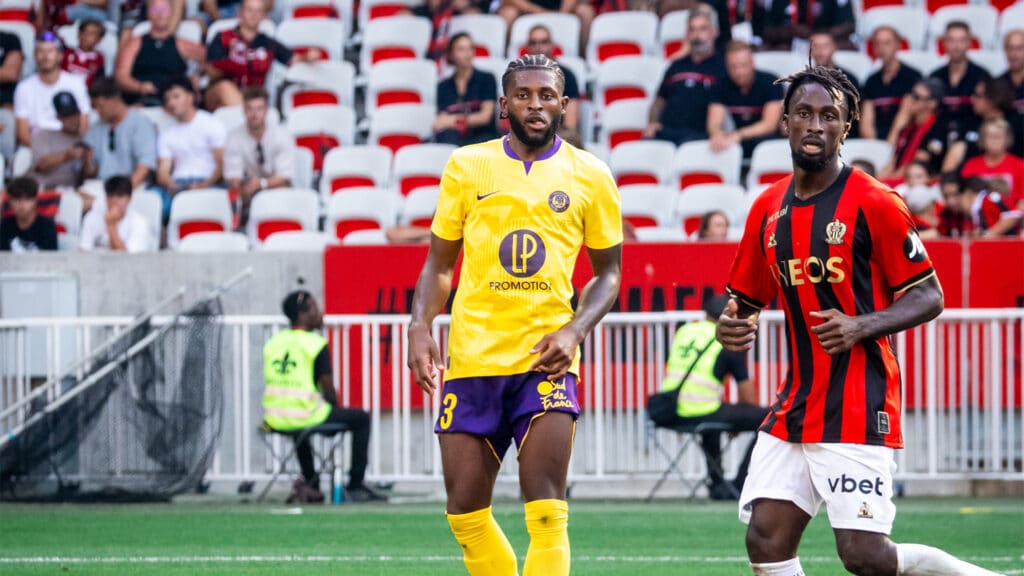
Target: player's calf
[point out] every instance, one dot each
(866, 553)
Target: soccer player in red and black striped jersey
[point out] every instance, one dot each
(841, 252)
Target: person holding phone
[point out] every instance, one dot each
(58, 154)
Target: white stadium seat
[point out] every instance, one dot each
(911, 22)
(282, 210)
(150, 205)
(301, 34)
(213, 242)
(660, 234)
(770, 161)
(321, 127)
(878, 152)
(420, 165)
(192, 211)
(647, 206)
(564, 28)
(923, 61)
(394, 38)
(356, 209)
(405, 81)
(695, 163)
(355, 167)
(857, 63)
(402, 125)
(628, 77)
(618, 34)
(696, 201)
(672, 32)
(298, 241)
(327, 82)
(642, 162)
(623, 121)
(779, 64)
(419, 206)
(488, 32)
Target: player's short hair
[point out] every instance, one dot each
(954, 24)
(83, 24)
(118, 186)
(23, 187)
(296, 303)
(532, 62)
(832, 79)
(255, 93)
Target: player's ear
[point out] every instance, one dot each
(785, 124)
(502, 108)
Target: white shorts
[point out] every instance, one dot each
(853, 480)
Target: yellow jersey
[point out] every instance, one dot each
(522, 225)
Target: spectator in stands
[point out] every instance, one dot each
(465, 100)
(440, 14)
(885, 89)
(790, 23)
(992, 100)
(985, 201)
(1013, 48)
(25, 230)
(123, 141)
(714, 227)
(133, 12)
(116, 226)
(190, 151)
(11, 60)
(823, 52)
(259, 155)
(959, 78)
(408, 234)
(52, 14)
(679, 112)
(922, 201)
(923, 136)
(85, 60)
(213, 10)
(583, 9)
(241, 57)
(750, 98)
(33, 98)
(954, 222)
(57, 155)
(538, 41)
(146, 62)
(300, 394)
(997, 162)
(867, 166)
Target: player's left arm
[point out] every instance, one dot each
(558, 349)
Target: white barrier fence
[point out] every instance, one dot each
(962, 382)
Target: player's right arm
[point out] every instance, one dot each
(432, 290)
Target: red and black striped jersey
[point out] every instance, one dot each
(851, 248)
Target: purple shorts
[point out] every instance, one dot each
(500, 408)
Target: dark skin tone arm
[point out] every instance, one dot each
(326, 385)
(432, 290)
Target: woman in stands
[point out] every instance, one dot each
(146, 61)
(465, 100)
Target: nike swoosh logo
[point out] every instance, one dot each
(480, 196)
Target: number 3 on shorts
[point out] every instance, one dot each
(447, 405)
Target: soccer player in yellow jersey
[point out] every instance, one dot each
(521, 207)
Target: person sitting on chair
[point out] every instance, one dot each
(299, 394)
(697, 367)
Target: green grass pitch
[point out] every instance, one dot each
(627, 538)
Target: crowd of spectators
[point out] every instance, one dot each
(956, 133)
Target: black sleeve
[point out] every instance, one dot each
(572, 89)
(10, 43)
(281, 52)
(731, 363)
(215, 49)
(47, 234)
(322, 364)
(5, 238)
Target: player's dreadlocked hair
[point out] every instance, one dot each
(832, 79)
(532, 62)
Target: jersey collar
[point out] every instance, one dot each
(527, 164)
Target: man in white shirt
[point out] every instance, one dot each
(258, 155)
(33, 98)
(116, 227)
(190, 152)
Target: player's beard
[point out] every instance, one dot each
(545, 138)
(815, 163)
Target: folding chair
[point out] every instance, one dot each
(281, 456)
(689, 435)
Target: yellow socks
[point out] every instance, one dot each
(485, 550)
(547, 521)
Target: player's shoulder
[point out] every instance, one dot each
(770, 199)
(871, 193)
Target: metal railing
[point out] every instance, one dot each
(962, 388)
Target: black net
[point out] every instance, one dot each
(143, 426)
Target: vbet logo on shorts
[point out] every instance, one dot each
(849, 484)
(522, 254)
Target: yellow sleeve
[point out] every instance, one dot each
(602, 221)
(450, 213)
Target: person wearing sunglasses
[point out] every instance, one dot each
(123, 141)
(921, 136)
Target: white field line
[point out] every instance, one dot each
(402, 559)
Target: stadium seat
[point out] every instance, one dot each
(496, 66)
(642, 162)
(401, 125)
(327, 34)
(26, 34)
(303, 166)
(355, 209)
(206, 210)
(857, 63)
(672, 32)
(16, 10)
(875, 4)
(933, 6)
(187, 30)
(878, 152)
(779, 64)
(923, 61)
(697, 200)
(659, 234)
(981, 19)
(1011, 18)
(213, 242)
(600, 151)
(695, 163)
(578, 66)
(298, 241)
(617, 34)
(628, 77)
(267, 27)
(647, 206)
(372, 10)
(107, 46)
(623, 122)
(565, 33)
(297, 9)
(420, 165)
(488, 32)
(21, 163)
(151, 205)
(401, 82)
(419, 206)
(394, 38)
(69, 215)
(282, 210)
(321, 127)
(770, 161)
(992, 60)
(355, 167)
(687, 435)
(375, 237)
(232, 117)
(330, 82)
(158, 116)
(910, 21)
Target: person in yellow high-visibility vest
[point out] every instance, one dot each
(698, 357)
(300, 394)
